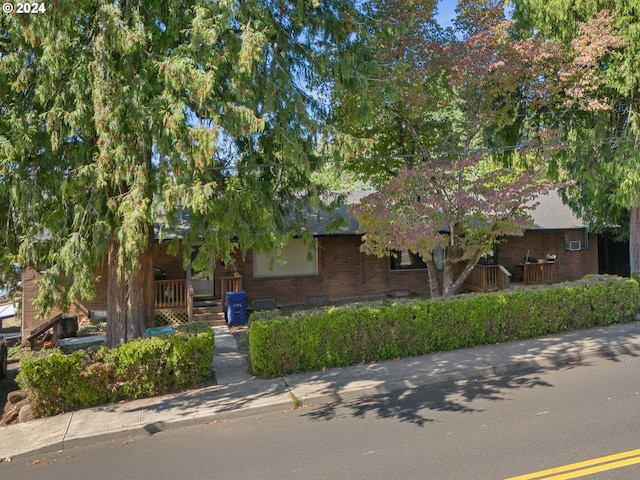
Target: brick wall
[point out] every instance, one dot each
(343, 273)
(171, 264)
(346, 273)
(538, 243)
(80, 308)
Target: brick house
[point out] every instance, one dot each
(338, 271)
(558, 233)
(333, 269)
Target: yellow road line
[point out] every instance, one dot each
(600, 468)
(581, 469)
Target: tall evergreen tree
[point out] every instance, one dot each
(601, 153)
(114, 110)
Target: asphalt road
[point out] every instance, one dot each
(490, 428)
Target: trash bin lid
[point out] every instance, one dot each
(236, 295)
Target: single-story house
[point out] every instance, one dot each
(337, 270)
(333, 269)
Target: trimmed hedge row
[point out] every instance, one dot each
(336, 338)
(58, 383)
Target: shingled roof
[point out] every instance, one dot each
(550, 214)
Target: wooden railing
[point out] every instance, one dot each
(538, 273)
(189, 295)
(230, 284)
(171, 293)
(486, 278)
(53, 324)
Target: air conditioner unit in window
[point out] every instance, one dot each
(574, 245)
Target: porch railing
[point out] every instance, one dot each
(485, 278)
(171, 293)
(230, 284)
(189, 295)
(538, 273)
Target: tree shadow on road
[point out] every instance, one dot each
(534, 357)
(458, 396)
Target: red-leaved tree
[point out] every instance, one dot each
(456, 208)
(463, 134)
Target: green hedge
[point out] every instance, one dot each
(283, 345)
(58, 383)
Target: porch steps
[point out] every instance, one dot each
(208, 310)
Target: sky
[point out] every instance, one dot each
(446, 12)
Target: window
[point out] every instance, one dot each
(406, 260)
(576, 239)
(299, 259)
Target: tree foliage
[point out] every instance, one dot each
(458, 207)
(600, 148)
(113, 111)
(457, 158)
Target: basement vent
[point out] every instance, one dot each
(317, 301)
(399, 293)
(574, 245)
(265, 304)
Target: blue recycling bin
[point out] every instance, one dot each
(236, 308)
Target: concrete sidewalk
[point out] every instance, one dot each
(239, 394)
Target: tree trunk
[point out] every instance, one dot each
(467, 270)
(141, 291)
(129, 299)
(634, 240)
(447, 279)
(434, 284)
(451, 283)
(117, 297)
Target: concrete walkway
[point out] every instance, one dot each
(238, 394)
(229, 365)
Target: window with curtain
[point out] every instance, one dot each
(299, 259)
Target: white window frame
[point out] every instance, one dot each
(581, 235)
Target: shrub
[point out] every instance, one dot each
(281, 345)
(58, 383)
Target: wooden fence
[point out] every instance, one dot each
(538, 273)
(487, 278)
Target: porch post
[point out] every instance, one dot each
(189, 294)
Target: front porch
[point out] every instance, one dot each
(177, 303)
(490, 278)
